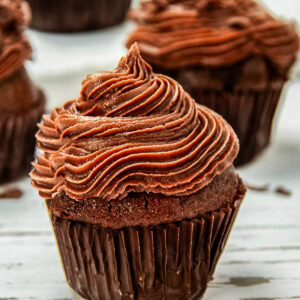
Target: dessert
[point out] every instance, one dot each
(22, 103)
(139, 185)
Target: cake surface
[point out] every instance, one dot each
(143, 209)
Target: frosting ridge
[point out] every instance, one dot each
(131, 131)
(179, 33)
(14, 48)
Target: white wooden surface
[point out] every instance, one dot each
(262, 258)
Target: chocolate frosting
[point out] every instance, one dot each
(214, 33)
(131, 131)
(14, 48)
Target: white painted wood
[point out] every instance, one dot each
(262, 258)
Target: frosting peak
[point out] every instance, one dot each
(100, 94)
(14, 48)
(131, 131)
(179, 33)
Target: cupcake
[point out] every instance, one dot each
(139, 185)
(22, 103)
(77, 15)
(231, 56)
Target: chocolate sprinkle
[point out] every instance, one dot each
(11, 193)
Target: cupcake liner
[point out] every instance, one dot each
(17, 136)
(250, 114)
(77, 15)
(167, 261)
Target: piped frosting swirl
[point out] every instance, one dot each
(131, 131)
(15, 15)
(179, 33)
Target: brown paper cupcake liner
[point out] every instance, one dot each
(17, 140)
(250, 114)
(168, 261)
(77, 15)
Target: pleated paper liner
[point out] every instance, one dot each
(17, 140)
(168, 261)
(249, 113)
(77, 15)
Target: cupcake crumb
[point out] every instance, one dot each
(283, 191)
(11, 193)
(262, 188)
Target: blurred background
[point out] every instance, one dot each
(61, 61)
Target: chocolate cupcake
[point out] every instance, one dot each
(139, 184)
(22, 103)
(232, 56)
(77, 15)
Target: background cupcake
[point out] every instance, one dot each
(77, 15)
(139, 185)
(231, 56)
(21, 103)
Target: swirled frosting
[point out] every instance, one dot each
(14, 47)
(215, 33)
(131, 131)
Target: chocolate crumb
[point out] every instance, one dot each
(262, 188)
(283, 191)
(11, 193)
